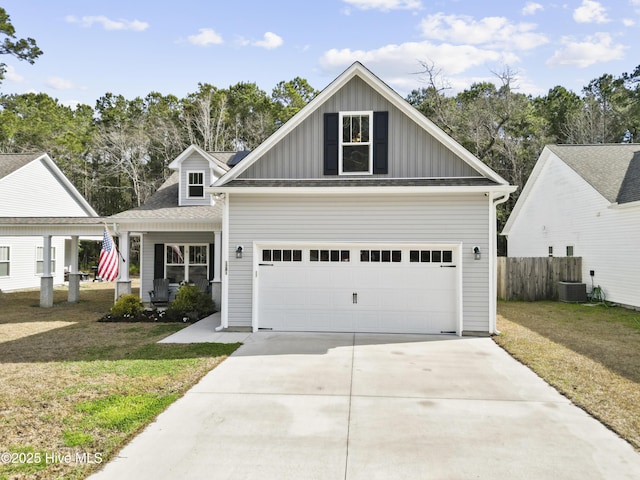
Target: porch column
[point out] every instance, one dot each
(123, 283)
(46, 282)
(216, 282)
(74, 276)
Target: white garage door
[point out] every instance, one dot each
(358, 289)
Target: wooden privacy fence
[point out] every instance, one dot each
(535, 278)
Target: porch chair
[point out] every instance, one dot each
(203, 285)
(160, 293)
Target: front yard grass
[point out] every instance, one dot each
(73, 390)
(590, 354)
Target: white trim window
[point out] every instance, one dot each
(355, 152)
(195, 184)
(187, 262)
(40, 260)
(5, 261)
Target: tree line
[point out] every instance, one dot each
(116, 153)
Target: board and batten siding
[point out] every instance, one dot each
(22, 265)
(417, 219)
(198, 164)
(413, 153)
(562, 210)
(34, 191)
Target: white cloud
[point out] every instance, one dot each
(205, 36)
(385, 5)
(387, 61)
(531, 8)
(628, 22)
(493, 32)
(108, 24)
(269, 41)
(590, 11)
(58, 83)
(597, 48)
(11, 74)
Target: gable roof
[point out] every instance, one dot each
(163, 205)
(12, 162)
(217, 160)
(612, 170)
(359, 70)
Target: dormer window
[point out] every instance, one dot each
(195, 188)
(356, 150)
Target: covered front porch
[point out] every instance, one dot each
(72, 229)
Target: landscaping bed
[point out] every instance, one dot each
(590, 354)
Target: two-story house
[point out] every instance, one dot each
(357, 215)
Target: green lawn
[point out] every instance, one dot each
(591, 354)
(73, 390)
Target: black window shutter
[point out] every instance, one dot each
(331, 143)
(158, 260)
(211, 261)
(380, 142)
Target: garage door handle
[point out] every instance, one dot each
(447, 266)
(265, 264)
(354, 298)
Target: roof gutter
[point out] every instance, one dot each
(505, 190)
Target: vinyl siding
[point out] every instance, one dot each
(34, 191)
(147, 253)
(366, 219)
(22, 272)
(564, 210)
(194, 163)
(412, 151)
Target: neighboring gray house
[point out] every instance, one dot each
(584, 201)
(34, 192)
(357, 215)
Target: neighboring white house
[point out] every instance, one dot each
(584, 201)
(32, 186)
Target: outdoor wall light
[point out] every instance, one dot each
(476, 253)
(239, 251)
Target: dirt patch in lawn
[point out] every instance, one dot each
(591, 354)
(72, 387)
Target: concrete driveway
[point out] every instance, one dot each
(366, 406)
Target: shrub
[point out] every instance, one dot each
(190, 303)
(127, 306)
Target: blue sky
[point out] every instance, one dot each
(135, 47)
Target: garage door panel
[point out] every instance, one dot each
(392, 296)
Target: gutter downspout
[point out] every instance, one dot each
(224, 307)
(493, 264)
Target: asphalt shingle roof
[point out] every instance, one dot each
(10, 162)
(366, 182)
(163, 205)
(612, 169)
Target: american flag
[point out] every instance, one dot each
(108, 264)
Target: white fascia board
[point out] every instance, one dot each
(177, 162)
(533, 177)
(378, 190)
(624, 206)
(68, 185)
(388, 93)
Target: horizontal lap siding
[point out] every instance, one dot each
(412, 151)
(198, 164)
(22, 272)
(367, 219)
(148, 242)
